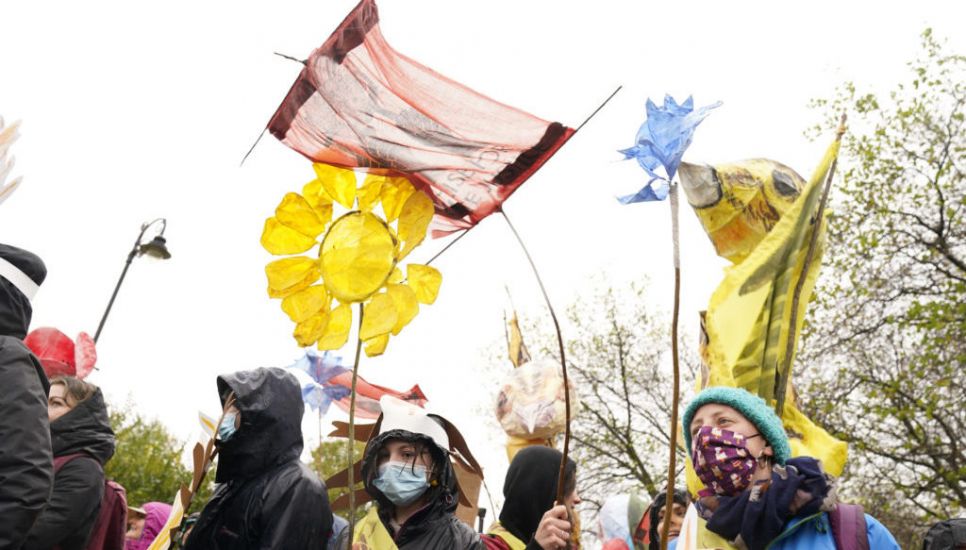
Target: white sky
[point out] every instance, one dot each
(135, 110)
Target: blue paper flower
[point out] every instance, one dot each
(320, 367)
(661, 142)
(318, 392)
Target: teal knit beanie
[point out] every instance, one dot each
(751, 407)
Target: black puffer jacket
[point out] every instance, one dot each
(26, 473)
(266, 497)
(79, 485)
(435, 526)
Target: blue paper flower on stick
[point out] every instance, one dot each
(661, 143)
(320, 391)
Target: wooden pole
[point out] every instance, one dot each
(786, 371)
(671, 470)
(563, 358)
(352, 430)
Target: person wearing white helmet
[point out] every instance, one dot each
(407, 470)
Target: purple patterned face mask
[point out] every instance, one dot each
(722, 461)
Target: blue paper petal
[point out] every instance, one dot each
(320, 368)
(661, 142)
(336, 392)
(651, 192)
(316, 397)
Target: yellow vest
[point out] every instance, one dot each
(499, 531)
(708, 539)
(371, 534)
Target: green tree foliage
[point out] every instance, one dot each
(618, 353)
(887, 337)
(328, 459)
(148, 460)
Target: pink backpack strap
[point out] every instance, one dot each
(849, 528)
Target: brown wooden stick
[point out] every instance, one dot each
(563, 359)
(785, 373)
(352, 430)
(669, 500)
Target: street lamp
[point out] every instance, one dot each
(155, 248)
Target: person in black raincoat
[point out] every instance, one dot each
(79, 425)
(26, 471)
(266, 497)
(530, 489)
(413, 444)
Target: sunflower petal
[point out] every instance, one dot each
(317, 197)
(296, 212)
(290, 275)
(369, 192)
(336, 332)
(407, 306)
(379, 317)
(414, 220)
(338, 183)
(395, 192)
(376, 346)
(306, 303)
(308, 331)
(425, 281)
(280, 239)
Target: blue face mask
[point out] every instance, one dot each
(401, 482)
(227, 427)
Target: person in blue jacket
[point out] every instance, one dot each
(755, 495)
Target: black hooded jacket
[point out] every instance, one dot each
(79, 485)
(530, 489)
(26, 473)
(435, 526)
(266, 497)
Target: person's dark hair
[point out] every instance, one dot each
(420, 445)
(76, 390)
(680, 497)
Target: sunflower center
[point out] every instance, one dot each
(357, 256)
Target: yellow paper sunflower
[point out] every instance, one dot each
(357, 260)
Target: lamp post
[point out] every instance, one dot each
(156, 248)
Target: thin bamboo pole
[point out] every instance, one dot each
(352, 430)
(672, 470)
(786, 371)
(563, 358)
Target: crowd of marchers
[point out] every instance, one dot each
(55, 439)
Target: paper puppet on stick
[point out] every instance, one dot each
(660, 145)
(325, 381)
(360, 104)
(661, 142)
(380, 221)
(760, 215)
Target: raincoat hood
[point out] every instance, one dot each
(155, 516)
(15, 310)
(530, 489)
(270, 401)
(84, 429)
